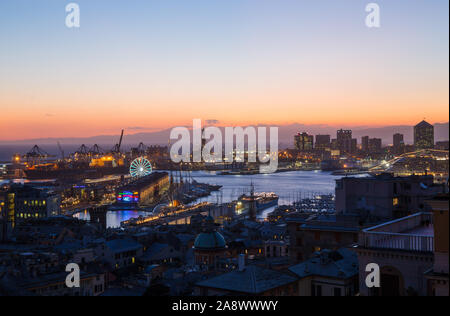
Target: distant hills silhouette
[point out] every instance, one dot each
(286, 133)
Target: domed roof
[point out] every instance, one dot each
(209, 241)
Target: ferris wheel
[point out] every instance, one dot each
(140, 167)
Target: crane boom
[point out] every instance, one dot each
(120, 142)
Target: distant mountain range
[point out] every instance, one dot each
(285, 134)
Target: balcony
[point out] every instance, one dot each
(411, 233)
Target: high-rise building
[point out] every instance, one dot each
(398, 144)
(398, 140)
(323, 141)
(375, 145)
(353, 145)
(365, 144)
(334, 144)
(423, 135)
(371, 145)
(304, 142)
(345, 142)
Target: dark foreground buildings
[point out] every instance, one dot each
(412, 253)
(360, 203)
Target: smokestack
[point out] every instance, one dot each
(241, 262)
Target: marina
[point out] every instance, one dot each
(289, 187)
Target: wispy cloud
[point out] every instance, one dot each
(212, 122)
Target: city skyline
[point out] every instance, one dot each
(286, 132)
(239, 63)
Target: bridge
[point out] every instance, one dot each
(429, 158)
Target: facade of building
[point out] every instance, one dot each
(398, 143)
(365, 144)
(121, 253)
(345, 143)
(343, 139)
(323, 142)
(437, 277)
(311, 234)
(21, 202)
(423, 136)
(276, 248)
(143, 190)
(403, 250)
(375, 145)
(304, 142)
(91, 284)
(384, 196)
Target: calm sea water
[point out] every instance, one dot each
(290, 186)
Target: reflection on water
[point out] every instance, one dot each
(290, 186)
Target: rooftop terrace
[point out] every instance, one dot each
(411, 233)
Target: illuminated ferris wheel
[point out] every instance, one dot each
(140, 167)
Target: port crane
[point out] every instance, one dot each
(36, 155)
(116, 148)
(95, 151)
(82, 153)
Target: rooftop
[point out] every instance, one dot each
(144, 181)
(121, 245)
(341, 264)
(252, 280)
(424, 124)
(411, 233)
(154, 250)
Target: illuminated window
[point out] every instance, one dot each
(395, 201)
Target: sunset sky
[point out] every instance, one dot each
(145, 65)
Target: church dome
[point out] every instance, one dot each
(209, 241)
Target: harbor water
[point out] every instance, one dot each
(289, 186)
